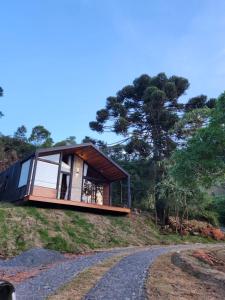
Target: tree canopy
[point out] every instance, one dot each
(152, 120)
(201, 161)
(198, 168)
(145, 112)
(71, 140)
(41, 137)
(20, 133)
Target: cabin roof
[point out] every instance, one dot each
(94, 157)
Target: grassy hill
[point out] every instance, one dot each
(24, 227)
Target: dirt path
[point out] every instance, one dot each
(180, 284)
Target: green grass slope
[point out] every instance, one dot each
(24, 227)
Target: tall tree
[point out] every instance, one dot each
(145, 113)
(41, 137)
(20, 133)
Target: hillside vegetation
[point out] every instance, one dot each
(24, 227)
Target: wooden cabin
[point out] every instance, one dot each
(78, 175)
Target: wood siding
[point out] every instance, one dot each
(106, 195)
(44, 192)
(101, 163)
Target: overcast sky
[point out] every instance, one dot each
(60, 59)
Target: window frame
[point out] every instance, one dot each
(49, 163)
(95, 182)
(70, 173)
(41, 158)
(28, 174)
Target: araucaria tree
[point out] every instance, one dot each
(144, 114)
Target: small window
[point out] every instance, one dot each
(24, 173)
(52, 157)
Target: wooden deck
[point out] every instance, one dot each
(74, 203)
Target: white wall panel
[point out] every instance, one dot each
(46, 174)
(77, 179)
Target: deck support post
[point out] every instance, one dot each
(29, 179)
(33, 173)
(128, 192)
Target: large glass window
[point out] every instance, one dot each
(46, 174)
(92, 192)
(92, 189)
(24, 173)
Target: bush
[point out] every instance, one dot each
(218, 205)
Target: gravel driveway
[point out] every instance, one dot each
(45, 283)
(124, 281)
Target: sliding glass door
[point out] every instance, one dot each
(93, 186)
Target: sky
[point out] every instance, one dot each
(61, 59)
